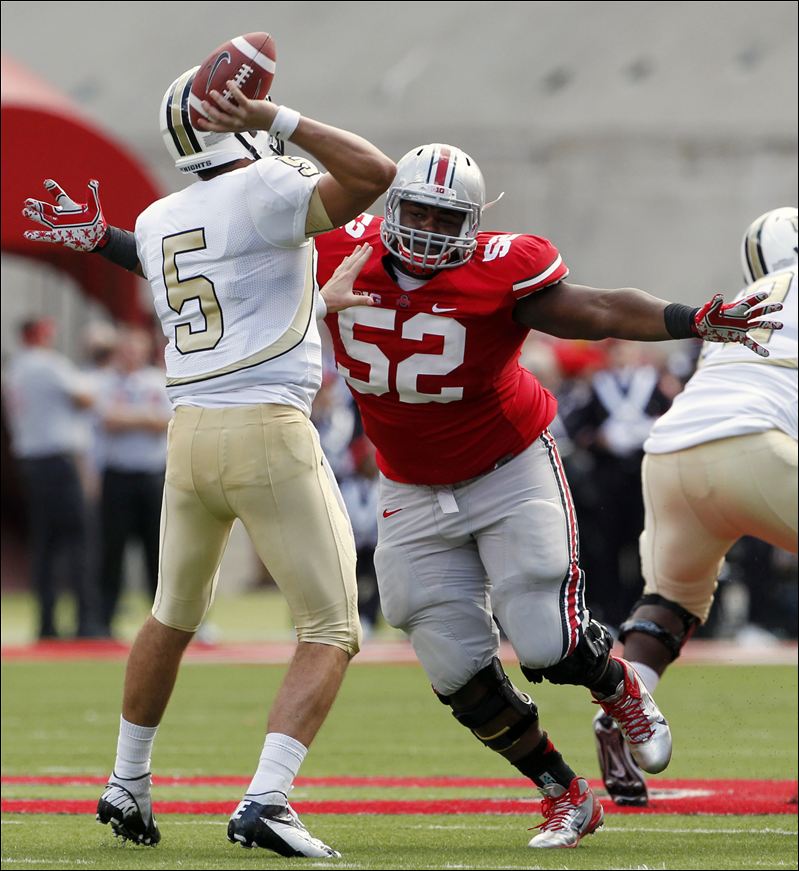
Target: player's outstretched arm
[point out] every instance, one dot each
(357, 171)
(573, 311)
(80, 226)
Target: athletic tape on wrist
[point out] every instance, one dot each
(285, 123)
(680, 321)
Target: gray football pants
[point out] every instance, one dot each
(450, 558)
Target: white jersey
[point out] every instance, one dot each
(735, 392)
(231, 274)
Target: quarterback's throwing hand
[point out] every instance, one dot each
(80, 226)
(718, 321)
(338, 293)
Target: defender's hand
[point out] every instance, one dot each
(80, 226)
(338, 293)
(731, 322)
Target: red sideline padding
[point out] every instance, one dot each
(280, 652)
(244, 780)
(741, 797)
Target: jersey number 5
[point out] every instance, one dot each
(408, 370)
(179, 291)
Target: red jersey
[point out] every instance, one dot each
(435, 371)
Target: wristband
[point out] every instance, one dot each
(118, 246)
(285, 123)
(680, 321)
(321, 308)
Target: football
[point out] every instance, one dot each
(247, 60)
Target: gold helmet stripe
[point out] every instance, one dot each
(177, 117)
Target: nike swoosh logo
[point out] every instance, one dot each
(437, 309)
(225, 56)
(389, 513)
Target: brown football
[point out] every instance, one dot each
(248, 60)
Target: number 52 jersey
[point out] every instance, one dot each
(435, 370)
(231, 274)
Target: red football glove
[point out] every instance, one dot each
(80, 226)
(730, 322)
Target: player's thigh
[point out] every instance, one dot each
(681, 554)
(528, 545)
(192, 542)
(434, 588)
(297, 522)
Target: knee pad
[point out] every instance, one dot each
(584, 666)
(671, 641)
(500, 716)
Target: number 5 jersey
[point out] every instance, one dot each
(231, 273)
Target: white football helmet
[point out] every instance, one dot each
(770, 243)
(194, 150)
(445, 177)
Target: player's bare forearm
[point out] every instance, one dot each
(357, 171)
(573, 311)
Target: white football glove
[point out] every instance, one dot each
(80, 226)
(731, 322)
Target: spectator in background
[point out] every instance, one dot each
(621, 403)
(98, 343)
(134, 412)
(46, 396)
(337, 422)
(360, 493)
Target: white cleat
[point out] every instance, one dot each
(126, 804)
(569, 815)
(643, 726)
(276, 828)
(624, 781)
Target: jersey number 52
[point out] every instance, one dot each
(406, 373)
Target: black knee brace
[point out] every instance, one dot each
(501, 716)
(584, 666)
(673, 643)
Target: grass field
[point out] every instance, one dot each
(59, 721)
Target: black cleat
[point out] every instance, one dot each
(276, 828)
(130, 815)
(623, 779)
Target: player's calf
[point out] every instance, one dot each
(506, 721)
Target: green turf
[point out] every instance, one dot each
(61, 718)
(733, 722)
(417, 842)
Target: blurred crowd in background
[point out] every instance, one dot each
(86, 445)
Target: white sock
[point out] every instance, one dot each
(278, 766)
(134, 747)
(648, 675)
